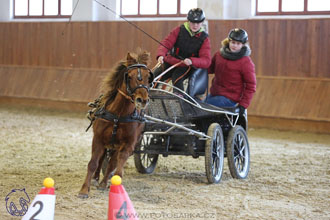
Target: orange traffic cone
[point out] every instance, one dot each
(43, 205)
(120, 206)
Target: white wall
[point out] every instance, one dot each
(213, 8)
(83, 11)
(100, 13)
(5, 10)
(228, 9)
(89, 10)
(245, 9)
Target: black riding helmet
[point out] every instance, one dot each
(196, 15)
(239, 35)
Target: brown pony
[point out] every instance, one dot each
(118, 123)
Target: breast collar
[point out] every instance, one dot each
(134, 117)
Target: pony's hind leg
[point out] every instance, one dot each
(97, 152)
(110, 168)
(96, 176)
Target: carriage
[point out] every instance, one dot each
(177, 125)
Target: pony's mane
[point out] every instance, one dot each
(114, 79)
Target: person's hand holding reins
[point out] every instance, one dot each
(187, 61)
(161, 59)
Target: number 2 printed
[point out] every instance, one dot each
(41, 206)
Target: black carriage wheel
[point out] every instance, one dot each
(238, 153)
(214, 153)
(145, 163)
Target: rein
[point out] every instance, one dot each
(126, 96)
(164, 72)
(182, 75)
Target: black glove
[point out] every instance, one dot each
(241, 110)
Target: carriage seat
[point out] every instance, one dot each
(198, 83)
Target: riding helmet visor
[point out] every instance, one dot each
(196, 15)
(239, 35)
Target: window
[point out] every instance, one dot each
(156, 8)
(42, 8)
(293, 7)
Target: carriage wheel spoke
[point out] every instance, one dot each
(242, 150)
(149, 161)
(215, 156)
(215, 166)
(237, 164)
(240, 140)
(145, 159)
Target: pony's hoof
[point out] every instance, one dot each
(102, 186)
(94, 182)
(82, 196)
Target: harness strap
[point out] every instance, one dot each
(103, 113)
(134, 117)
(114, 132)
(90, 124)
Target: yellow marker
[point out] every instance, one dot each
(48, 182)
(116, 180)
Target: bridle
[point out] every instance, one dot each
(138, 66)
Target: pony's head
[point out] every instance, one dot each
(138, 78)
(132, 78)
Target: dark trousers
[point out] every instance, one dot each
(178, 74)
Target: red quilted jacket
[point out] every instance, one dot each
(234, 79)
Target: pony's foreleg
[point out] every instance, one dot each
(122, 157)
(97, 152)
(111, 167)
(96, 176)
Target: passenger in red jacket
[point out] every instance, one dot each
(188, 43)
(234, 82)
